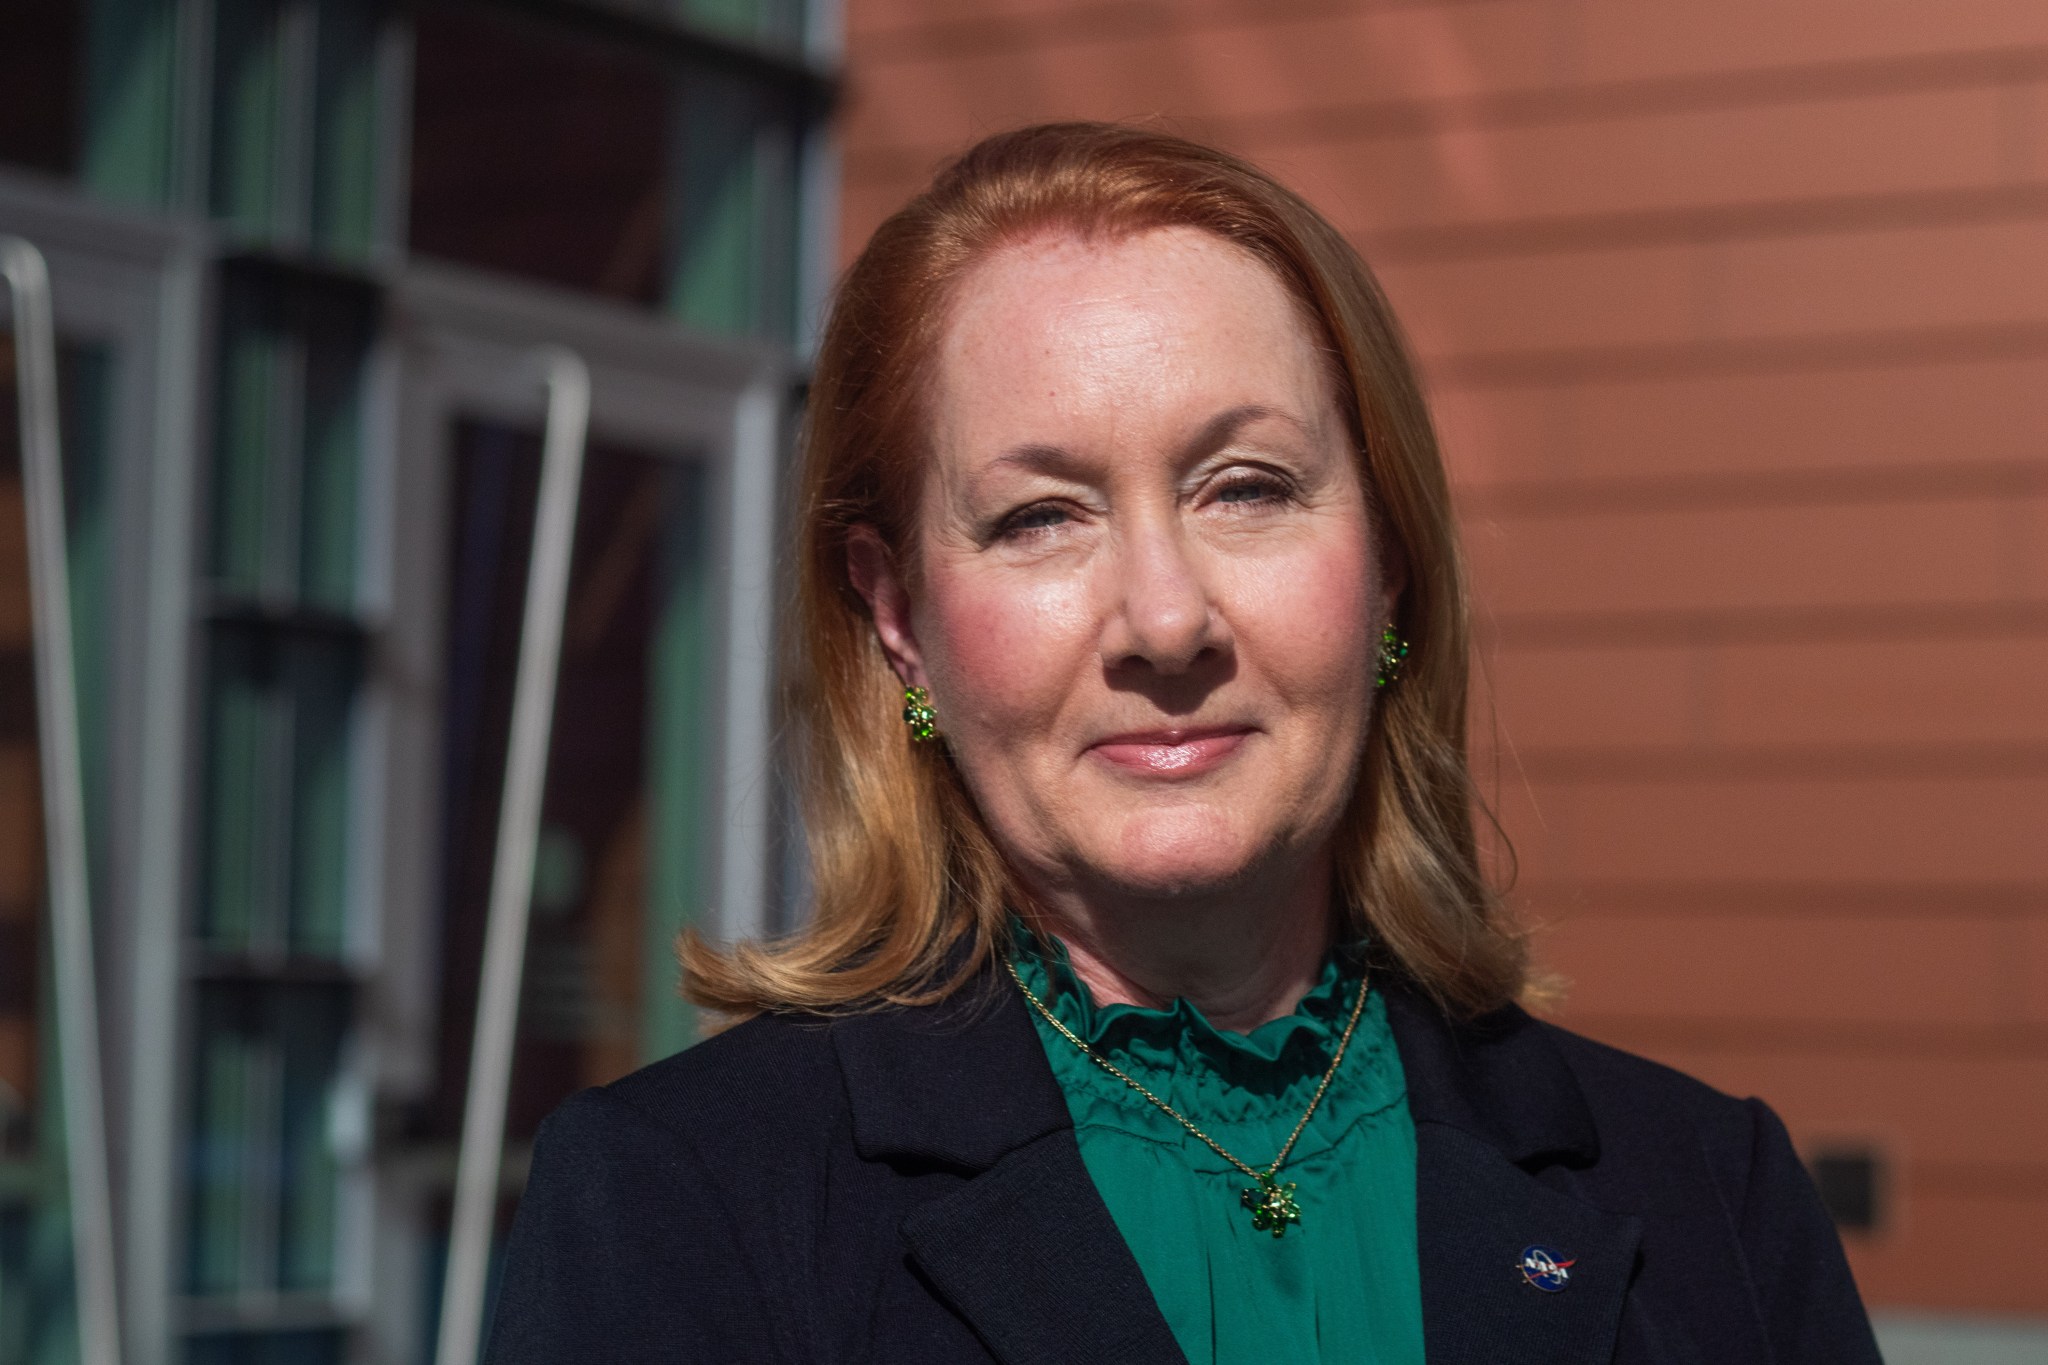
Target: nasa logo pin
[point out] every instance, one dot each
(1546, 1268)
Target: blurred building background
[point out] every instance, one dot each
(1736, 320)
(303, 251)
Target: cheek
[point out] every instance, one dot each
(1307, 622)
(1002, 652)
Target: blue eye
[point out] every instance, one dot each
(1038, 518)
(1248, 490)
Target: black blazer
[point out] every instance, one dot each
(904, 1188)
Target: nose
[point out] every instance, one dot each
(1163, 617)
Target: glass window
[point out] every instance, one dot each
(607, 168)
(284, 651)
(263, 1176)
(294, 121)
(37, 1313)
(618, 872)
(538, 155)
(274, 989)
(40, 65)
(618, 868)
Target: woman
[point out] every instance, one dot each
(1154, 1006)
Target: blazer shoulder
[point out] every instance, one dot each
(772, 1077)
(1610, 1075)
(1644, 1108)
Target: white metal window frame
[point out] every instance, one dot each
(137, 283)
(461, 344)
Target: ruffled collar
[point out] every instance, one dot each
(1176, 1051)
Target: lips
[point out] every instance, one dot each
(1172, 753)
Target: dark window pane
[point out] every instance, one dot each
(288, 439)
(618, 872)
(41, 61)
(251, 80)
(266, 1348)
(295, 121)
(539, 154)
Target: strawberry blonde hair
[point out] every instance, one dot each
(911, 896)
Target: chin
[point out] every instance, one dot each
(1179, 853)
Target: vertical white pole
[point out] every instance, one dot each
(497, 1005)
(748, 812)
(78, 1037)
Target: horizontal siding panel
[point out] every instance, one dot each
(1596, 697)
(1946, 1109)
(1622, 40)
(1641, 295)
(1957, 1251)
(1877, 145)
(1913, 1110)
(1246, 59)
(1756, 695)
(1220, 70)
(1917, 554)
(1953, 831)
(1849, 969)
(1844, 692)
(1890, 416)
(1811, 285)
(2033, 966)
(1918, 277)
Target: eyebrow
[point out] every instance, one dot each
(1214, 434)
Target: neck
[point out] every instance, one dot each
(1243, 959)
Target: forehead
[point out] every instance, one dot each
(1061, 323)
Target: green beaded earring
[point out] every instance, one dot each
(1393, 655)
(918, 714)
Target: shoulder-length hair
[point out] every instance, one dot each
(911, 896)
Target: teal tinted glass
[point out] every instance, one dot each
(279, 717)
(133, 80)
(288, 443)
(263, 1176)
(770, 22)
(252, 60)
(284, 653)
(733, 244)
(295, 121)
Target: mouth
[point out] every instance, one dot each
(1174, 753)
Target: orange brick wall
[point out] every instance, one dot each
(1736, 316)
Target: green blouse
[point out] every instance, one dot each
(1342, 1287)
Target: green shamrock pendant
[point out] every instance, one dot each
(1272, 1205)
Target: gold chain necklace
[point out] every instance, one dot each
(1272, 1204)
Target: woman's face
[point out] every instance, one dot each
(1148, 591)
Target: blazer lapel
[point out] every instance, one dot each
(1028, 1253)
(1494, 1104)
(1476, 1214)
(1024, 1249)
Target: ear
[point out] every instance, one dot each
(881, 585)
